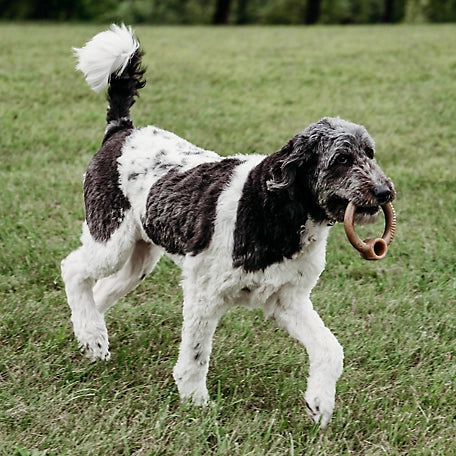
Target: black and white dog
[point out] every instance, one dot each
(247, 230)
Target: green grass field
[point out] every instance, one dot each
(232, 90)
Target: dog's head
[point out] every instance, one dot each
(327, 165)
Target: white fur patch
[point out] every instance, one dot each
(147, 155)
(106, 53)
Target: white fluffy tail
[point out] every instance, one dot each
(106, 54)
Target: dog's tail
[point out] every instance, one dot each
(113, 58)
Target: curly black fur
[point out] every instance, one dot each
(275, 204)
(105, 203)
(122, 91)
(181, 206)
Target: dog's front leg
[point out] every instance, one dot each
(294, 312)
(200, 321)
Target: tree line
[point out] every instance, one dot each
(232, 11)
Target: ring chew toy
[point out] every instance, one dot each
(376, 248)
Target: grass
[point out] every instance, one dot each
(232, 90)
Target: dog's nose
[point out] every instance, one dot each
(382, 193)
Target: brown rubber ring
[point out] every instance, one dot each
(376, 248)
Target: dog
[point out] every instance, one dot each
(247, 230)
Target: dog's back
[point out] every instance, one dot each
(130, 161)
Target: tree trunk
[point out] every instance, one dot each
(312, 12)
(222, 12)
(387, 15)
(242, 15)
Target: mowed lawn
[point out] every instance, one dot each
(232, 90)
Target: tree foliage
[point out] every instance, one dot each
(233, 11)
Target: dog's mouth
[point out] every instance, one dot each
(367, 211)
(363, 215)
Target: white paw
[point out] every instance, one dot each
(200, 399)
(93, 339)
(191, 390)
(199, 396)
(320, 408)
(96, 348)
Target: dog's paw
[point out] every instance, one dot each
(193, 391)
(197, 396)
(96, 349)
(93, 339)
(319, 409)
(200, 399)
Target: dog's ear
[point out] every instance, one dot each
(298, 152)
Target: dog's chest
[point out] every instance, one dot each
(257, 289)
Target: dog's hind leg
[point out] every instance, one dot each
(142, 261)
(80, 269)
(294, 312)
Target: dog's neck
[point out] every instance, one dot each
(270, 225)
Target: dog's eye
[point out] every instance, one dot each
(370, 152)
(343, 159)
